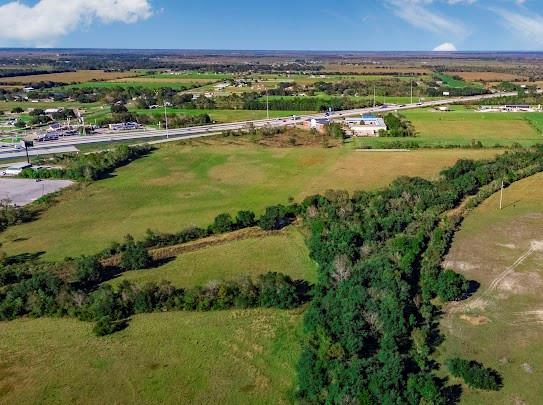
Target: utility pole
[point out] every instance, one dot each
(166, 120)
(267, 105)
(501, 197)
(411, 91)
(374, 95)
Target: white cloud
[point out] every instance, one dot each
(529, 26)
(417, 14)
(48, 20)
(445, 47)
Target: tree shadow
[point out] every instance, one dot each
(473, 287)
(23, 258)
(452, 394)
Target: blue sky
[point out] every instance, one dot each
(277, 24)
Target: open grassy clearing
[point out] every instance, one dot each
(502, 324)
(192, 75)
(461, 127)
(282, 253)
(154, 84)
(451, 81)
(68, 77)
(152, 81)
(178, 186)
(227, 357)
(486, 76)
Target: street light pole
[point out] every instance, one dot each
(166, 120)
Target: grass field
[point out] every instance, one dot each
(451, 81)
(68, 77)
(223, 115)
(283, 253)
(486, 76)
(226, 357)
(502, 324)
(182, 185)
(461, 127)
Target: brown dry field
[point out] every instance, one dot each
(79, 76)
(486, 76)
(371, 69)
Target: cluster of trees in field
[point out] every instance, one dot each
(398, 126)
(371, 325)
(134, 254)
(456, 91)
(88, 167)
(37, 290)
(475, 374)
(382, 87)
(11, 214)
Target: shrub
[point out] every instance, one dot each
(245, 219)
(222, 223)
(105, 326)
(135, 255)
(88, 270)
(475, 374)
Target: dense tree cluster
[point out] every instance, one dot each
(92, 166)
(10, 214)
(475, 374)
(43, 293)
(371, 325)
(398, 126)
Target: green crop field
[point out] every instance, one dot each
(178, 186)
(282, 253)
(450, 81)
(502, 324)
(226, 357)
(461, 127)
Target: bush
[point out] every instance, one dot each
(105, 326)
(275, 217)
(222, 223)
(135, 255)
(245, 219)
(88, 270)
(451, 286)
(475, 374)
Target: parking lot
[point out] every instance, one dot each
(22, 191)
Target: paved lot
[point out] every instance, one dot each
(22, 191)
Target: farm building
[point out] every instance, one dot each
(367, 125)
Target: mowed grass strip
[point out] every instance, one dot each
(283, 253)
(489, 242)
(226, 357)
(178, 186)
(461, 127)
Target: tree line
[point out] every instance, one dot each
(372, 323)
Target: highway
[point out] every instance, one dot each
(207, 130)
